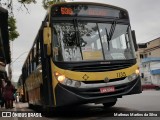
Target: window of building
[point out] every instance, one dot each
(145, 55)
(141, 56)
(144, 65)
(142, 75)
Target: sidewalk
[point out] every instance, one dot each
(17, 107)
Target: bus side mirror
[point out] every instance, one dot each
(47, 39)
(134, 40)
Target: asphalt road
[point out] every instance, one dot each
(148, 101)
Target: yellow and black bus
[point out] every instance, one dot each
(83, 53)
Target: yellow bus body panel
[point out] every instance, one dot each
(92, 76)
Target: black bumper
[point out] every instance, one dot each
(68, 95)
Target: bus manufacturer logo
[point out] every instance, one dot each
(85, 77)
(106, 80)
(105, 62)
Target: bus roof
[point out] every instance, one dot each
(89, 3)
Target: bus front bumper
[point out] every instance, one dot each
(66, 95)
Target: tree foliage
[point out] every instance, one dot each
(8, 4)
(46, 3)
(13, 33)
(27, 1)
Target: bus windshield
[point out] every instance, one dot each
(90, 41)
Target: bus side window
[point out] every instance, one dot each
(57, 54)
(28, 68)
(34, 57)
(30, 60)
(55, 38)
(38, 53)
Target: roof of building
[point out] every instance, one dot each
(153, 39)
(149, 41)
(142, 45)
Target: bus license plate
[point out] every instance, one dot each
(107, 89)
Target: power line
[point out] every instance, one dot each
(19, 56)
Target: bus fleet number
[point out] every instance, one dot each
(121, 74)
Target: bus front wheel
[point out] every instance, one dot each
(109, 104)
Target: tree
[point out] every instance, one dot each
(9, 3)
(46, 3)
(13, 33)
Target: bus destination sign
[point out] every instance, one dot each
(90, 12)
(87, 10)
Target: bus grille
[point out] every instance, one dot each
(96, 66)
(102, 81)
(100, 67)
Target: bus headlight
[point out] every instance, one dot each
(77, 84)
(137, 71)
(132, 77)
(68, 82)
(60, 77)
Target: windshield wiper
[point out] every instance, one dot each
(111, 32)
(108, 39)
(112, 29)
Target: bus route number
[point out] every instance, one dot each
(121, 74)
(70, 53)
(66, 11)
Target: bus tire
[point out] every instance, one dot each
(109, 104)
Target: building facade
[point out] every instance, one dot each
(4, 47)
(148, 57)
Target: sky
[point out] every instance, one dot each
(144, 17)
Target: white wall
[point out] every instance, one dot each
(148, 77)
(154, 65)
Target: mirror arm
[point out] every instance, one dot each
(134, 40)
(47, 39)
